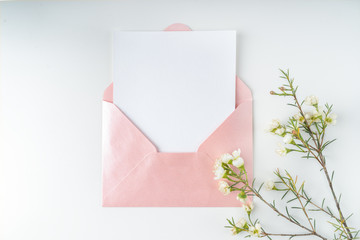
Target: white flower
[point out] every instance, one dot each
(317, 114)
(331, 119)
(252, 230)
(248, 207)
(224, 187)
(255, 231)
(282, 151)
(241, 223)
(308, 115)
(242, 197)
(273, 125)
(239, 162)
(280, 131)
(236, 153)
(269, 185)
(288, 138)
(219, 171)
(311, 100)
(298, 117)
(225, 158)
(217, 164)
(258, 227)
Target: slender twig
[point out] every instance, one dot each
(343, 220)
(308, 135)
(311, 232)
(304, 210)
(296, 193)
(288, 234)
(316, 205)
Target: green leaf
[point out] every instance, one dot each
(329, 210)
(285, 194)
(349, 217)
(260, 187)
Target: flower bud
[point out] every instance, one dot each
(248, 207)
(242, 194)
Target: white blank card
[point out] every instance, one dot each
(177, 87)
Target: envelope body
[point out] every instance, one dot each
(135, 174)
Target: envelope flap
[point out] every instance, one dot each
(178, 27)
(108, 93)
(235, 132)
(243, 92)
(123, 147)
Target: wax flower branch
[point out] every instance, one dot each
(303, 133)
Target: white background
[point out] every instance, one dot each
(55, 64)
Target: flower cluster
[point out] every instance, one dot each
(316, 119)
(222, 163)
(230, 170)
(304, 132)
(243, 226)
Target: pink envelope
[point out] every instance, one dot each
(135, 174)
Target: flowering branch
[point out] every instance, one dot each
(225, 168)
(304, 133)
(314, 124)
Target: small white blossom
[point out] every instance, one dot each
(269, 185)
(288, 138)
(252, 230)
(273, 125)
(217, 164)
(219, 171)
(331, 119)
(234, 231)
(236, 153)
(308, 115)
(299, 118)
(226, 157)
(282, 151)
(280, 131)
(255, 231)
(258, 226)
(239, 162)
(311, 100)
(242, 197)
(224, 187)
(241, 223)
(317, 114)
(248, 207)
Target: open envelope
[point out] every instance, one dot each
(136, 174)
